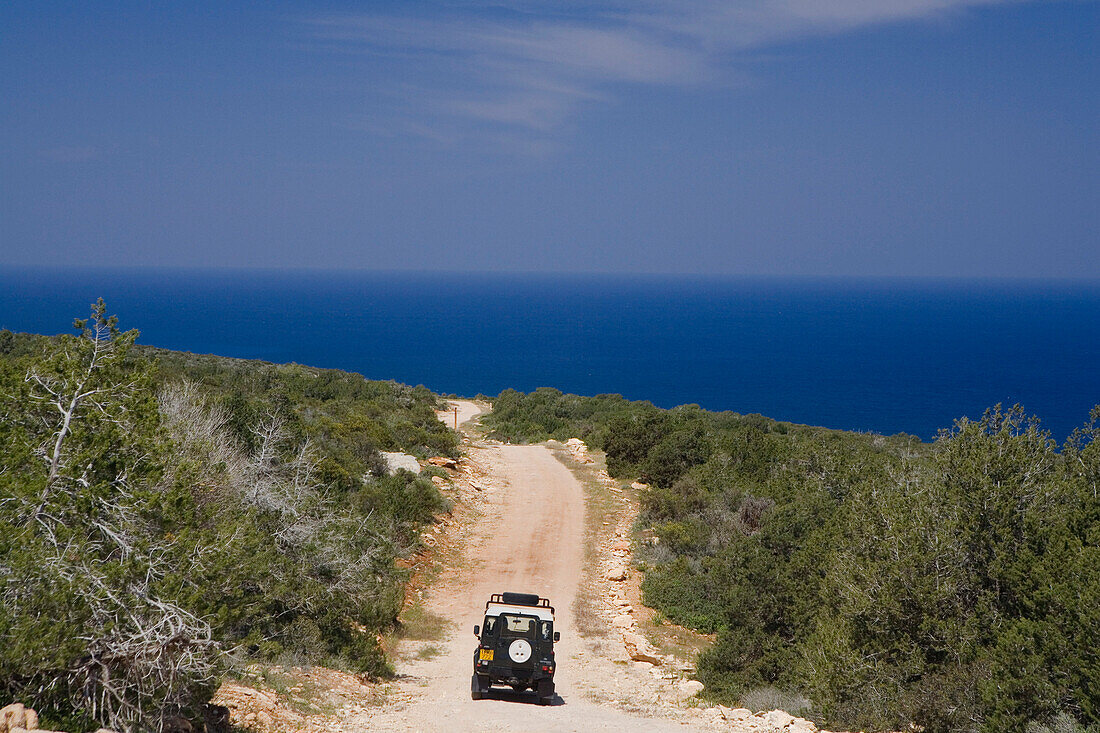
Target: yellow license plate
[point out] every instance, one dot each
(487, 655)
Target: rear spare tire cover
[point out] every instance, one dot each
(520, 651)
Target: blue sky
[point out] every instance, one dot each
(802, 137)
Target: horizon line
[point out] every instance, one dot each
(628, 274)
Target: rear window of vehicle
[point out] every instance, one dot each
(513, 625)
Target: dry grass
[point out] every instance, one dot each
(293, 698)
(601, 507)
(771, 698)
(678, 641)
(428, 652)
(420, 624)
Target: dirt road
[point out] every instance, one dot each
(528, 537)
(460, 411)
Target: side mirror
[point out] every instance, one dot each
(557, 636)
(477, 630)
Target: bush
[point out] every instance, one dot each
(178, 509)
(952, 586)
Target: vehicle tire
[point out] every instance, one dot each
(545, 690)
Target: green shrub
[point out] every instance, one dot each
(220, 498)
(953, 586)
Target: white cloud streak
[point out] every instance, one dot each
(529, 65)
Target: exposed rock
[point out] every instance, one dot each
(640, 650)
(261, 710)
(617, 572)
(623, 621)
(690, 688)
(578, 449)
(17, 716)
(443, 462)
(396, 461)
(439, 481)
(778, 719)
(638, 486)
(801, 725)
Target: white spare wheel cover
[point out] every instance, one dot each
(520, 650)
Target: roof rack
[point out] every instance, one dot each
(520, 599)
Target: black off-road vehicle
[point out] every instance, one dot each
(516, 646)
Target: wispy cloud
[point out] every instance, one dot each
(530, 65)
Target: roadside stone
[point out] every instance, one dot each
(623, 621)
(18, 717)
(396, 461)
(617, 573)
(778, 719)
(691, 688)
(12, 716)
(443, 462)
(639, 649)
(578, 449)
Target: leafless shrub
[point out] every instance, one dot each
(750, 515)
(1061, 723)
(772, 698)
(142, 653)
(280, 478)
(151, 661)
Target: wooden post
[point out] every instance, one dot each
(456, 418)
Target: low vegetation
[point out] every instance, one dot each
(164, 516)
(881, 582)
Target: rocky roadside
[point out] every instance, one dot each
(667, 684)
(275, 699)
(620, 666)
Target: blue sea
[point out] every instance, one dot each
(880, 355)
